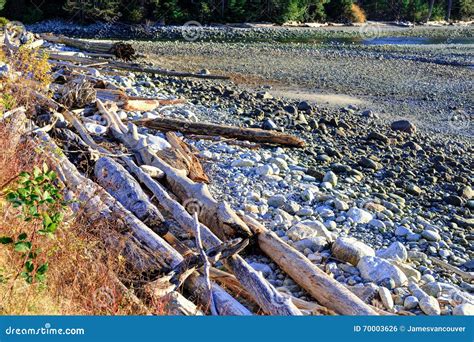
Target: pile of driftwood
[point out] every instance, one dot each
(150, 191)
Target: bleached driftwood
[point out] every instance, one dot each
(99, 203)
(133, 67)
(218, 216)
(262, 292)
(324, 289)
(122, 186)
(204, 128)
(121, 50)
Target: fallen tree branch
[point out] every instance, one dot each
(201, 128)
(133, 67)
(324, 289)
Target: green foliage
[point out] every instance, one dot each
(2, 4)
(339, 10)
(41, 203)
(3, 21)
(107, 10)
(211, 11)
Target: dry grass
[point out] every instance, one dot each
(358, 14)
(81, 279)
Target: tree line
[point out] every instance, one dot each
(213, 11)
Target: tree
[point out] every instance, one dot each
(430, 11)
(2, 4)
(93, 9)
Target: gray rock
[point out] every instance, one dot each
(276, 201)
(315, 244)
(413, 189)
(404, 126)
(430, 235)
(396, 251)
(465, 309)
(430, 306)
(369, 163)
(350, 250)
(376, 269)
(432, 288)
(359, 215)
(386, 297)
(366, 292)
(259, 267)
(410, 303)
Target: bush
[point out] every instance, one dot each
(358, 15)
(3, 21)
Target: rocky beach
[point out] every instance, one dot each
(380, 197)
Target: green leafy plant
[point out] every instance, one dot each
(41, 202)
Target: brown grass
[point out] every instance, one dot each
(82, 277)
(358, 14)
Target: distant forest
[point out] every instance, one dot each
(227, 11)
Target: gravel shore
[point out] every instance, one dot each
(379, 203)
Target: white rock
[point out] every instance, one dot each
(431, 235)
(430, 306)
(281, 163)
(350, 250)
(302, 230)
(307, 195)
(359, 215)
(264, 170)
(331, 178)
(410, 302)
(276, 201)
(386, 297)
(340, 205)
(242, 163)
(396, 251)
(465, 309)
(377, 269)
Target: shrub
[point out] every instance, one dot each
(3, 21)
(358, 14)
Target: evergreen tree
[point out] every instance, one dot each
(93, 9)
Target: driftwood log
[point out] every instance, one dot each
(122, 186)
(132, 67)
(120, 50)
(100, 203)
(202, 128)
(262, 292)
(327, 291)
(270, 300)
